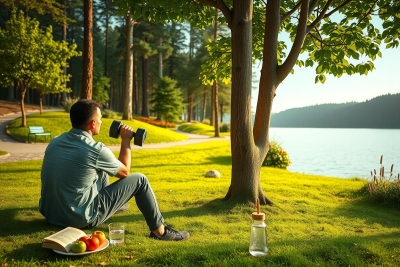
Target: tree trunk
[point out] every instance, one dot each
(222, 112)
(204, 106)
(160, 71)
(215, 100)
(215, 85)
(190, 108)
(40, 103)
(64, 38)
(135, 88)
(22, 105)
(246, 156)
(145, 89)
(127, 114)
(87, 73)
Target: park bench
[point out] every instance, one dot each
(38, 131)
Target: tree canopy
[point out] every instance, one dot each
(31, 58)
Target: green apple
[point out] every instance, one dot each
(78, 246)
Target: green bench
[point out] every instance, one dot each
(38, 131)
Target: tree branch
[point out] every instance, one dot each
(320, 16)
(221, 5)
(337, 8)
(366, 14)
(287, 66)
(288, 14)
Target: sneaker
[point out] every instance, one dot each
(171, 235)
(124, 208)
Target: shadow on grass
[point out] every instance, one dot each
(15, 227)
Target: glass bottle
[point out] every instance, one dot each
(258, 236)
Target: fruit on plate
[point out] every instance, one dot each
(100, 235)
(92, 243)
(78, 246)
(84, 238)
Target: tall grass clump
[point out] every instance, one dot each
(384, 189)
(276, 157)
(68, 103)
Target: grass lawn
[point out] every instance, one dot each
(315, 221)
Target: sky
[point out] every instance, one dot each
(299, 89)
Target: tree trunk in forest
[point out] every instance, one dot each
(246, 156)
(145, 89)
(215, 85)
(190, 108)
(222, 112)
(215, 104)
(204, 106)
(23, 90)
(64, 38)
(127, 114)
(87, 73)
(40, 103)
(160, 71)
(135, 88)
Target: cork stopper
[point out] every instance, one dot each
(259, 216)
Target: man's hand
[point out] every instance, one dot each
(126, 132)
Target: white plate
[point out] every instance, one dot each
(103, 246)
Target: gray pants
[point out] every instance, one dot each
(113, 196)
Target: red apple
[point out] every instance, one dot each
(92, 243)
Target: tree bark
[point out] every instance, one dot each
(246, 156)
(87, 74)
(145, 89)
(22, 105)
(215, 101)
(127, 114)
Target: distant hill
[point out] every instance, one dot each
(380, 112)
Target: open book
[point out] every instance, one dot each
(63, 239)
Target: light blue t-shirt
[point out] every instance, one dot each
(72, 171)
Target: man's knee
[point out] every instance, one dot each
(138, 177)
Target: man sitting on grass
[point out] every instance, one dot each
(75, 185)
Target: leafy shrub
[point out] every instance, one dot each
(109, 113)
(68, 103)
(276, 157)
(206, 121)
(382, 189)
(225, 127)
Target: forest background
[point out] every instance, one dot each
(175, 50)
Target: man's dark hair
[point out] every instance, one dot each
(82, 112)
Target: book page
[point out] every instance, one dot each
(66, 236)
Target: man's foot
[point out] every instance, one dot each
(171, 235)
(124, 208)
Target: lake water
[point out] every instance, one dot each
(344, 153)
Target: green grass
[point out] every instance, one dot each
(316, 221)
(58, 123)
(2, 153)
(200, 128)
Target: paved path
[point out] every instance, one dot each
(19, 151)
